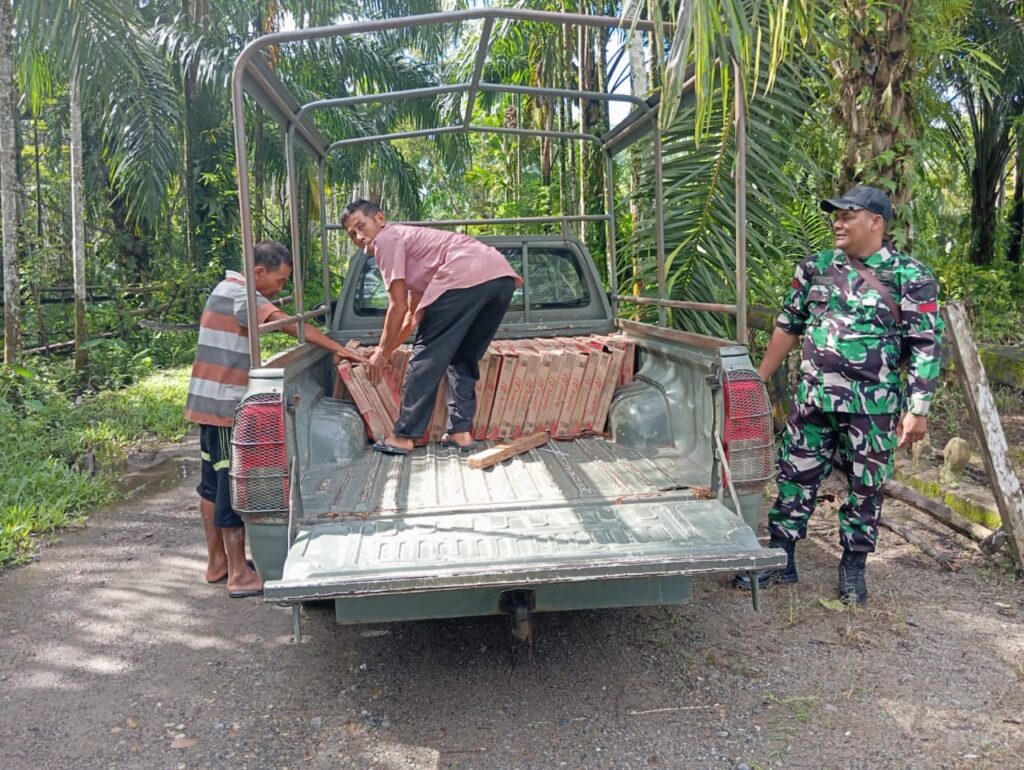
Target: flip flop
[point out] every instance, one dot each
(223, 579)
(386, 448)
(446, 443)
(246, 593)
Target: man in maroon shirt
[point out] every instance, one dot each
(454, 291)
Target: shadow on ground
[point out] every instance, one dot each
(113, 652)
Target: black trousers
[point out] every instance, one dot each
(452, 337)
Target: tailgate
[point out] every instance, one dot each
(510, 548)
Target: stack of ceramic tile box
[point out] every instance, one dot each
(562, 385)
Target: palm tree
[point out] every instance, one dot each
(699, 160)
(326, 68)
(986, 111)
(117, 78)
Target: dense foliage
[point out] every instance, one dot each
(924, 98)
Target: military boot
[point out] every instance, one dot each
(768, 577)
(853, 589)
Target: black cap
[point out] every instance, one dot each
(861, 197)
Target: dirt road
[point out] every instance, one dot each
(115, 653)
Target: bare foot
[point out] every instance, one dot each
(216, 556)
(399, 442)
(246, 583)
(462, 438)
(217, 568)
(243, 580)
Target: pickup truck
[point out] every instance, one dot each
(668, 488)
(671, 489)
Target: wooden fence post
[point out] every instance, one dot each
(982, 410)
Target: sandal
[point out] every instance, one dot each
(225, 578)
(388, 449)
(447, 442)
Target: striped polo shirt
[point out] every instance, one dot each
(221, 369)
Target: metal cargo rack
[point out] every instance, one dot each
(254, 76)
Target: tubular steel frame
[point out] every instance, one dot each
(254, 77)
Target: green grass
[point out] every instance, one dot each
(48, 436)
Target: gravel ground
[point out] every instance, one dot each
(115, 653)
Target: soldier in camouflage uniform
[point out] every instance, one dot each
(851, 392)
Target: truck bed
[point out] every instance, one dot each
(584, 523)
(433, 479)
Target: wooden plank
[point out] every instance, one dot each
(672, 335)
(374, 424)
(496, 454)
(361, 375)
(387, 392)
(540, 384)
(531, 364)
(602, 377)
(507, 426)
(548, 416)
(509, 363)
(981, 407)
(628, 348)
(914, 538)
(485, 404)
(481, 380)
(938, 511)
(575, 367)
(583, 397)
(439, 419)
(401, 364)
(605, 402)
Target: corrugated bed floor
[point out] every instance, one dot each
(433, 479)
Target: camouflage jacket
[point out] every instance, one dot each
(852, 341)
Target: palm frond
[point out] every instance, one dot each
(699, 193)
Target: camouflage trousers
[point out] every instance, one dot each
(861, 445)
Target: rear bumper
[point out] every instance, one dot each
(591, 595)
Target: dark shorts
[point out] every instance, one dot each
(214, 482)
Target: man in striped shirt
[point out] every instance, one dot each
(220, 375)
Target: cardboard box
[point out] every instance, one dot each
(530, 381)
(374, 424)
(562, 385)
(509, 413)
(547, 418)
(575, 368)
(583, 397)
(486, 401)
(539, 381)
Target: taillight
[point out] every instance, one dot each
(748, 430)
(259, 467)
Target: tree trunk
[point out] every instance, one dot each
(569, 149)
(638, 88)
(198, 11)
(546, 142)
(258, 181)
(874, 108)
(9, 186)
(1017, 210)
(985, 178)
(594, 121)
(78, 223)
(39, 180)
